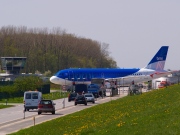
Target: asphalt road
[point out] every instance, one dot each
(13, 119)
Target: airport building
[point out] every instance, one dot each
(12, 66)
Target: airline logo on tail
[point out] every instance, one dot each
(158, 61)
(159, 58)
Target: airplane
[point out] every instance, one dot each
(122, 76)
(4, 74)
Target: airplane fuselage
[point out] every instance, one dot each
(84, 75)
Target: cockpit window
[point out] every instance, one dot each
(58, 73)
(62, 74)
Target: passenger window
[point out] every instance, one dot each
(28, 96)
(35, 96)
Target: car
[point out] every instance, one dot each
(72, 96)
(89, 97)
(80, 99)
(141, 86)
(46, 105)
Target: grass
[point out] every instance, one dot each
(55, 86)
(152, 113)
(5, 106)
(53, 96)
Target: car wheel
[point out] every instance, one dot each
(75, 104)
(69, 100)
(27, 109)
(85, 103)
(53, 112)
(93, 102)
(39, 113)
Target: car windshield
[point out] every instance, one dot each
(73, 94)
(80, 97)
(46, 102)
(88, 95)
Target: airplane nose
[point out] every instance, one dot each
(54, 79)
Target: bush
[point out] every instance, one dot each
(28, 83)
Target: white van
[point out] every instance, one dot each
(31, 99)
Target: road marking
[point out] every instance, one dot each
(30, 117)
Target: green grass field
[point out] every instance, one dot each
(152, 113)
(5, 106)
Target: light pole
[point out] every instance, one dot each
(64, 93)
(123, 86)
(116, 87)
(112, 88)
(83, 80)
(78, 80)
(178, 76)
(73, 84)
(119, 88)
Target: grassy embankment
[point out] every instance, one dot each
(155, 112)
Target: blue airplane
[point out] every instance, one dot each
(153, 70)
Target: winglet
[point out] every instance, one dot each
(158, 61)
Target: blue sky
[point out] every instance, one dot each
(134, 29)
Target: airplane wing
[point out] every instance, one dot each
(161, 74)
(140, 78)
(127, 79)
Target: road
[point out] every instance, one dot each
(13, 119)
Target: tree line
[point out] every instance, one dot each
(52, 50)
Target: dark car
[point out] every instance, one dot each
(46, 106)
(72, 96)
(80, 99)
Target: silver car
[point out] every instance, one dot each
(89, 97)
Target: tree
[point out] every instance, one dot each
(25, 83)
(52, 49)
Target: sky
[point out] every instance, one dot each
(134, 29)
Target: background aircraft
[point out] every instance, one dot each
(4, 74)
(153, 70)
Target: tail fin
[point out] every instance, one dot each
(158, 61)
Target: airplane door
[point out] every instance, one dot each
(145, 75)
(71, 75)
(102, 75)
